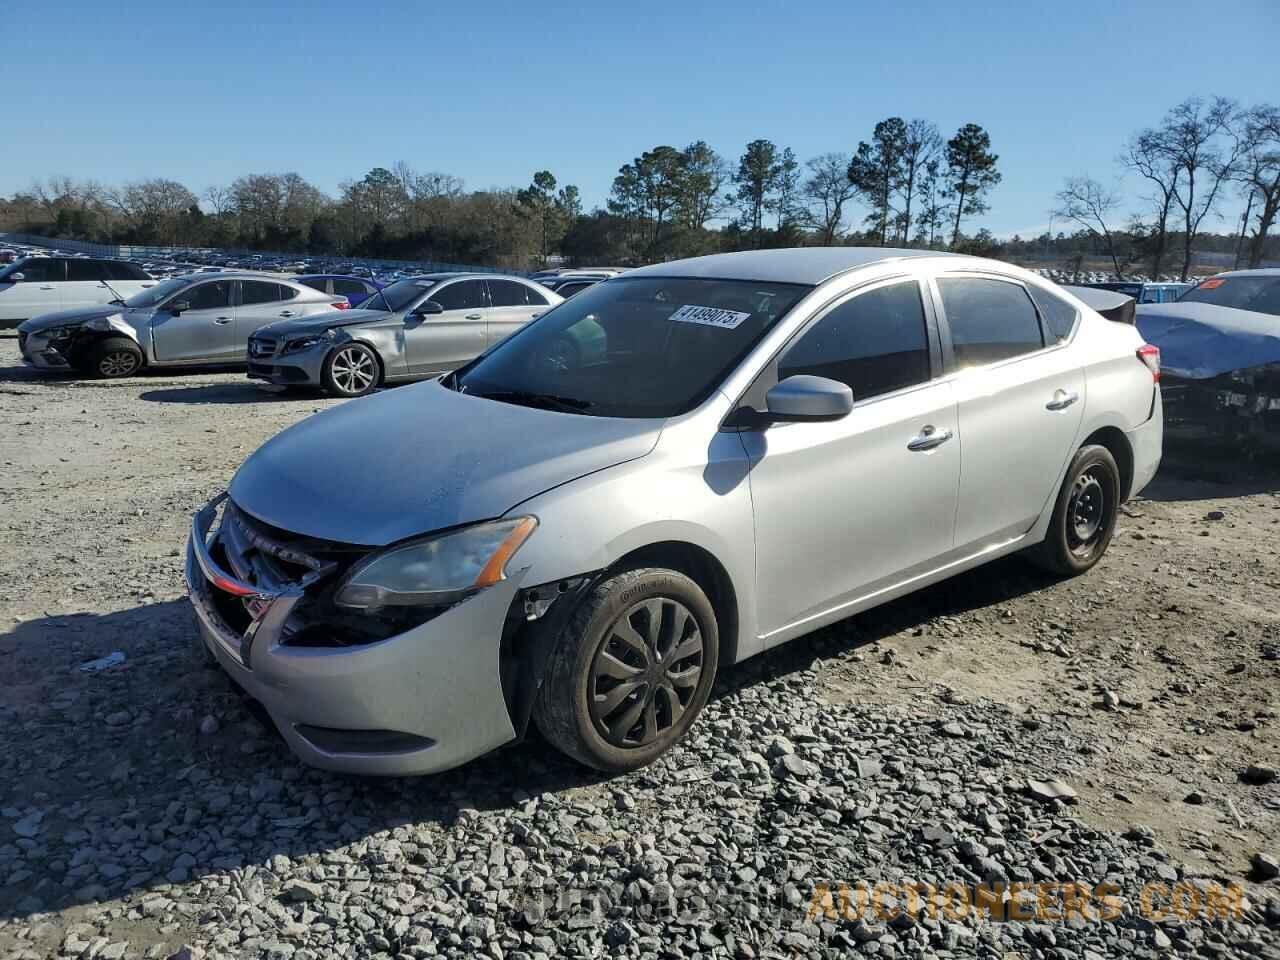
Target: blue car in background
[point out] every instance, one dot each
(356, 289)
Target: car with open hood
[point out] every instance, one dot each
(195, 320)
(413, 329)
(1220, 348)
(671, 472)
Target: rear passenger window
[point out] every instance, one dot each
(255, 291)
(506, 293)
(82, 271)
(876, 342)
(990, 320)
(1058, 315)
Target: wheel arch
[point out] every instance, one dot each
(372, 347)
(1114, 439)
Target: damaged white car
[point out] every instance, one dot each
(199, 320)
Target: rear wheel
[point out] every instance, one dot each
(1084, 516)
(351, 370)
(631, 671)
(113, 358)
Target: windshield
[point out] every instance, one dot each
(399, 296)
(153, 295)
(641, 347)
(1259, 294)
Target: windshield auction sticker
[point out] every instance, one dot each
(709, 316)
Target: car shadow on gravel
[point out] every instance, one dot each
(232, 393)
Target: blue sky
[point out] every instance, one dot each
(492, 92)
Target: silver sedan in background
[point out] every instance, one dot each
(411, 330)
(675, 470)
(197, 320)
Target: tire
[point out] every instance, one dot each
(114, 358)
(582, 708)
(351, 370)
(1084, 516)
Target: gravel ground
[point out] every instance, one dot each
(146, 811)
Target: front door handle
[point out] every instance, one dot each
(475, 316)
(287, 313)
(46, 288)
(1061, 400)
(930, 438)
(222, 321)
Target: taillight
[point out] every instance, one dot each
(1149, 354)
(346, 305)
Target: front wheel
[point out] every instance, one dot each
(114, 358)
(1084, 516)
(631, 671)
(350, 370)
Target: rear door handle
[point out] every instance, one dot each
(475, 316)
(222, 321)
(1061, 400)
(930, 438)
(287, 313)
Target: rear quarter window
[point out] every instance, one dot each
(1058, 315)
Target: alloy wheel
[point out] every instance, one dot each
(645, 672)
(353, 370)
(118, 363)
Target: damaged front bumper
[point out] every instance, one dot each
(43, 351)
(420, 701)
(1242, 403)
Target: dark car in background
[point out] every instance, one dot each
(356, 289)
(1220, 350)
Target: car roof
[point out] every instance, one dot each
(1260, 272)
(809, 265)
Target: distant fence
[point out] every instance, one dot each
(180, 253)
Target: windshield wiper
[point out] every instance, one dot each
(547, 401)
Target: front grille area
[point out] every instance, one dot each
(261, 348)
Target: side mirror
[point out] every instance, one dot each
(179, 306)
(807, 399)
(14, 277)
(428, 307)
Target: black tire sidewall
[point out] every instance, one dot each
(609, 601)
(331, 386)
(1057, 542)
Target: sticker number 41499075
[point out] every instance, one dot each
(709, 316)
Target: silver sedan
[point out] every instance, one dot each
(671, 472)
(413, 329)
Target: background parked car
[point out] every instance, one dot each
(355, 289)
(201, 319)
(568, 284)
(36, 285)
(410, 330)
(1143, 291)
(1220, 345)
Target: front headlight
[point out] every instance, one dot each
(436, 570)
(305, 343)
(102, 324)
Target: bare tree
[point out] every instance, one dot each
(1259, 173)
(219, 200)
(828, 189)
(921, 144)
(1193, 135)
(1148, 156)
(1090, 204)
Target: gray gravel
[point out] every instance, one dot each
(145, 811)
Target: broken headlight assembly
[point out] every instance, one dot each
(436, 570)
(307, 342)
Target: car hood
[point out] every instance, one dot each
(63, 318)
(416, 459)
(1201, 340)
(319, 322)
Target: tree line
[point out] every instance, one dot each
(904, 185)
(1200, 157)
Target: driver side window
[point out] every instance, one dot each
(875, 342)
(462, 295)
(208, 296)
